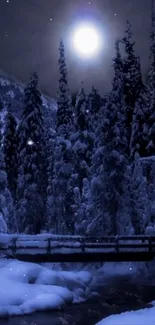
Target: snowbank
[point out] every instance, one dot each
(28, 287)
(139, 317)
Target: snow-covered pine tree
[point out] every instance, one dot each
(149, 125)
(139, 202)
(94, 109)
(132, 77)
(132, 69)
(7, 214)
(10, 151)
(78, 211)
(139, 132)
(97, 174)
(60, 197)
(31, 185)
(60, 193)
(64, 111)
(83, 208)
(98, 225)
(115, 142)
(87, 206)
(82, 140)
(80, 110)
(50, 172)
(50, 134)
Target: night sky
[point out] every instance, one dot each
(30, 31)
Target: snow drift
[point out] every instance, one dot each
(27, 287)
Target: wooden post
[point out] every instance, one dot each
(49, 246)
(14, 247)
(83, 245)
(150, 244)
(117, 243)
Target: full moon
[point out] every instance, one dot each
(86, 40)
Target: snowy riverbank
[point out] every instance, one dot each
(141, 317)
(28, 287)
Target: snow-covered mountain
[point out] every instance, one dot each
(13, 91)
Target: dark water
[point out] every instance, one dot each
(117, 296)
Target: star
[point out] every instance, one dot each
(30, 142)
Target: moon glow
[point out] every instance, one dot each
(86, 40)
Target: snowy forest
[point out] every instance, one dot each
(90, 170)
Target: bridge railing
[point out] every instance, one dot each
(79, 243)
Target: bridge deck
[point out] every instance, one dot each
(77, 249)
(86, 257)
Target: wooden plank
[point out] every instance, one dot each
(120, 238)
(134, 246)
(135, 238)
(86, 245)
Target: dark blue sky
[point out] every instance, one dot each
(29, 40)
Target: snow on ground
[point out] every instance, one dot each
(6, 238)
(28, 287)
(139, 317)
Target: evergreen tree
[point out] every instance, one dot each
(114, 163)
(139, 132)
(139, 203)
(50, 171)
(50, 135)
(81, 147)
(149, 125)
(59, 188)
(95, 101)
(31, 186)
(10, 151)
(81, 110)
(82, 207)
(94, 108)
(6, 204)
(132, 78)
(82, 140)
(78, 211)
(7, 214)
(101, 223)
(61, 194)
(132, 70)
(64, 112)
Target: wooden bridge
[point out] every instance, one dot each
(53, 248)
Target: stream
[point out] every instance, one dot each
(117, 296)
